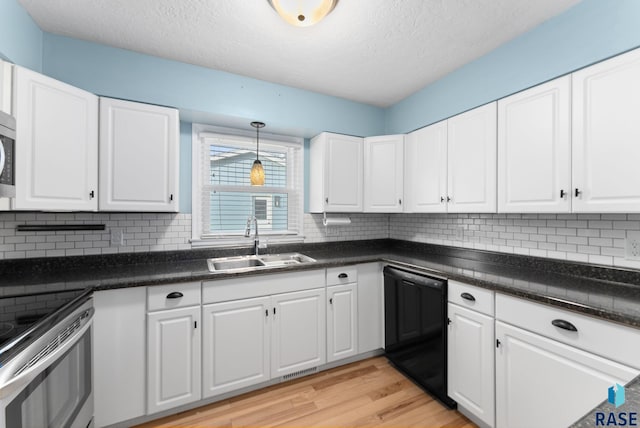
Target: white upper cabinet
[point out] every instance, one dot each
(6, 80)
(57, 154)
(471, 165)
(606, 136)
(139, 157)
(336, 171)
(383, 173)
(534, 149)
(425, 169)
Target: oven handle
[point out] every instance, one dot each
(18, 382)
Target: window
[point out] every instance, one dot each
(223, 198)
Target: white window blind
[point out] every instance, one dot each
(226, 198)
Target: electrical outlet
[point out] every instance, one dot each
(331, 231)
(117, 237)
(632, 245)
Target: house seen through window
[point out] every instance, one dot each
(226, 198)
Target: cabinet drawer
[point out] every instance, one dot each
(224, 290)
(342, 275)
(476, 298)
(609, 340)
(173, 296)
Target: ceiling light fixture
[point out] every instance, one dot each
(257, 172)
(303, 13)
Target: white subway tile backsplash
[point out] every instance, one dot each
(144, 232)
(593, 238)
(137, 229)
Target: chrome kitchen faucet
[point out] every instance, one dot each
(256, 237)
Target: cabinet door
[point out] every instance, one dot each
(471, 161)
(173, 367)
(342, 321)
(6, 81)
(344, 173)
(298, 331)
(139, 156)
(471, 362)
(236, 337)
(370, 307)
(533, 373)
(534, 149)
(57, 153)
(606, 131)
(425, 169)
(119, 355)
(336, 173)
(383, 173)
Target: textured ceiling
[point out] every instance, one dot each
(372, 51)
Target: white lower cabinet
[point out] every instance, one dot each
(235, 351)
(471, 362)
(250, 341)
(544, 383)
(173, 358)
(470, 351)
(342, 321)
(370, 307)
(298, 338)
(119, 355)
(185, 342)
(557, 360)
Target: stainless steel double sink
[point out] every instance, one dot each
(249, 263)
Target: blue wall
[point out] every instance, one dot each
(185, 167)
(20, 37)
(588, 32)
(202, 94)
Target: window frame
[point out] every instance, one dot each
(243, 137)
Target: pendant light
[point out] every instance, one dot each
(257, 172)
(303, 13)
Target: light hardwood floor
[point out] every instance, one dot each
(366, 393)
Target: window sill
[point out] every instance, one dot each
(245, 242)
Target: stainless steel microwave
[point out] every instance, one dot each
(7, 155)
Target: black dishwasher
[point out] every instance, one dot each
(415, 328)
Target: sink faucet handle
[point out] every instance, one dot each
(247, 230)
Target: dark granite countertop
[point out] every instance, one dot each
(612, 294)
(631, 404)
(609, 293)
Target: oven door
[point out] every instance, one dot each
(52, 388)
